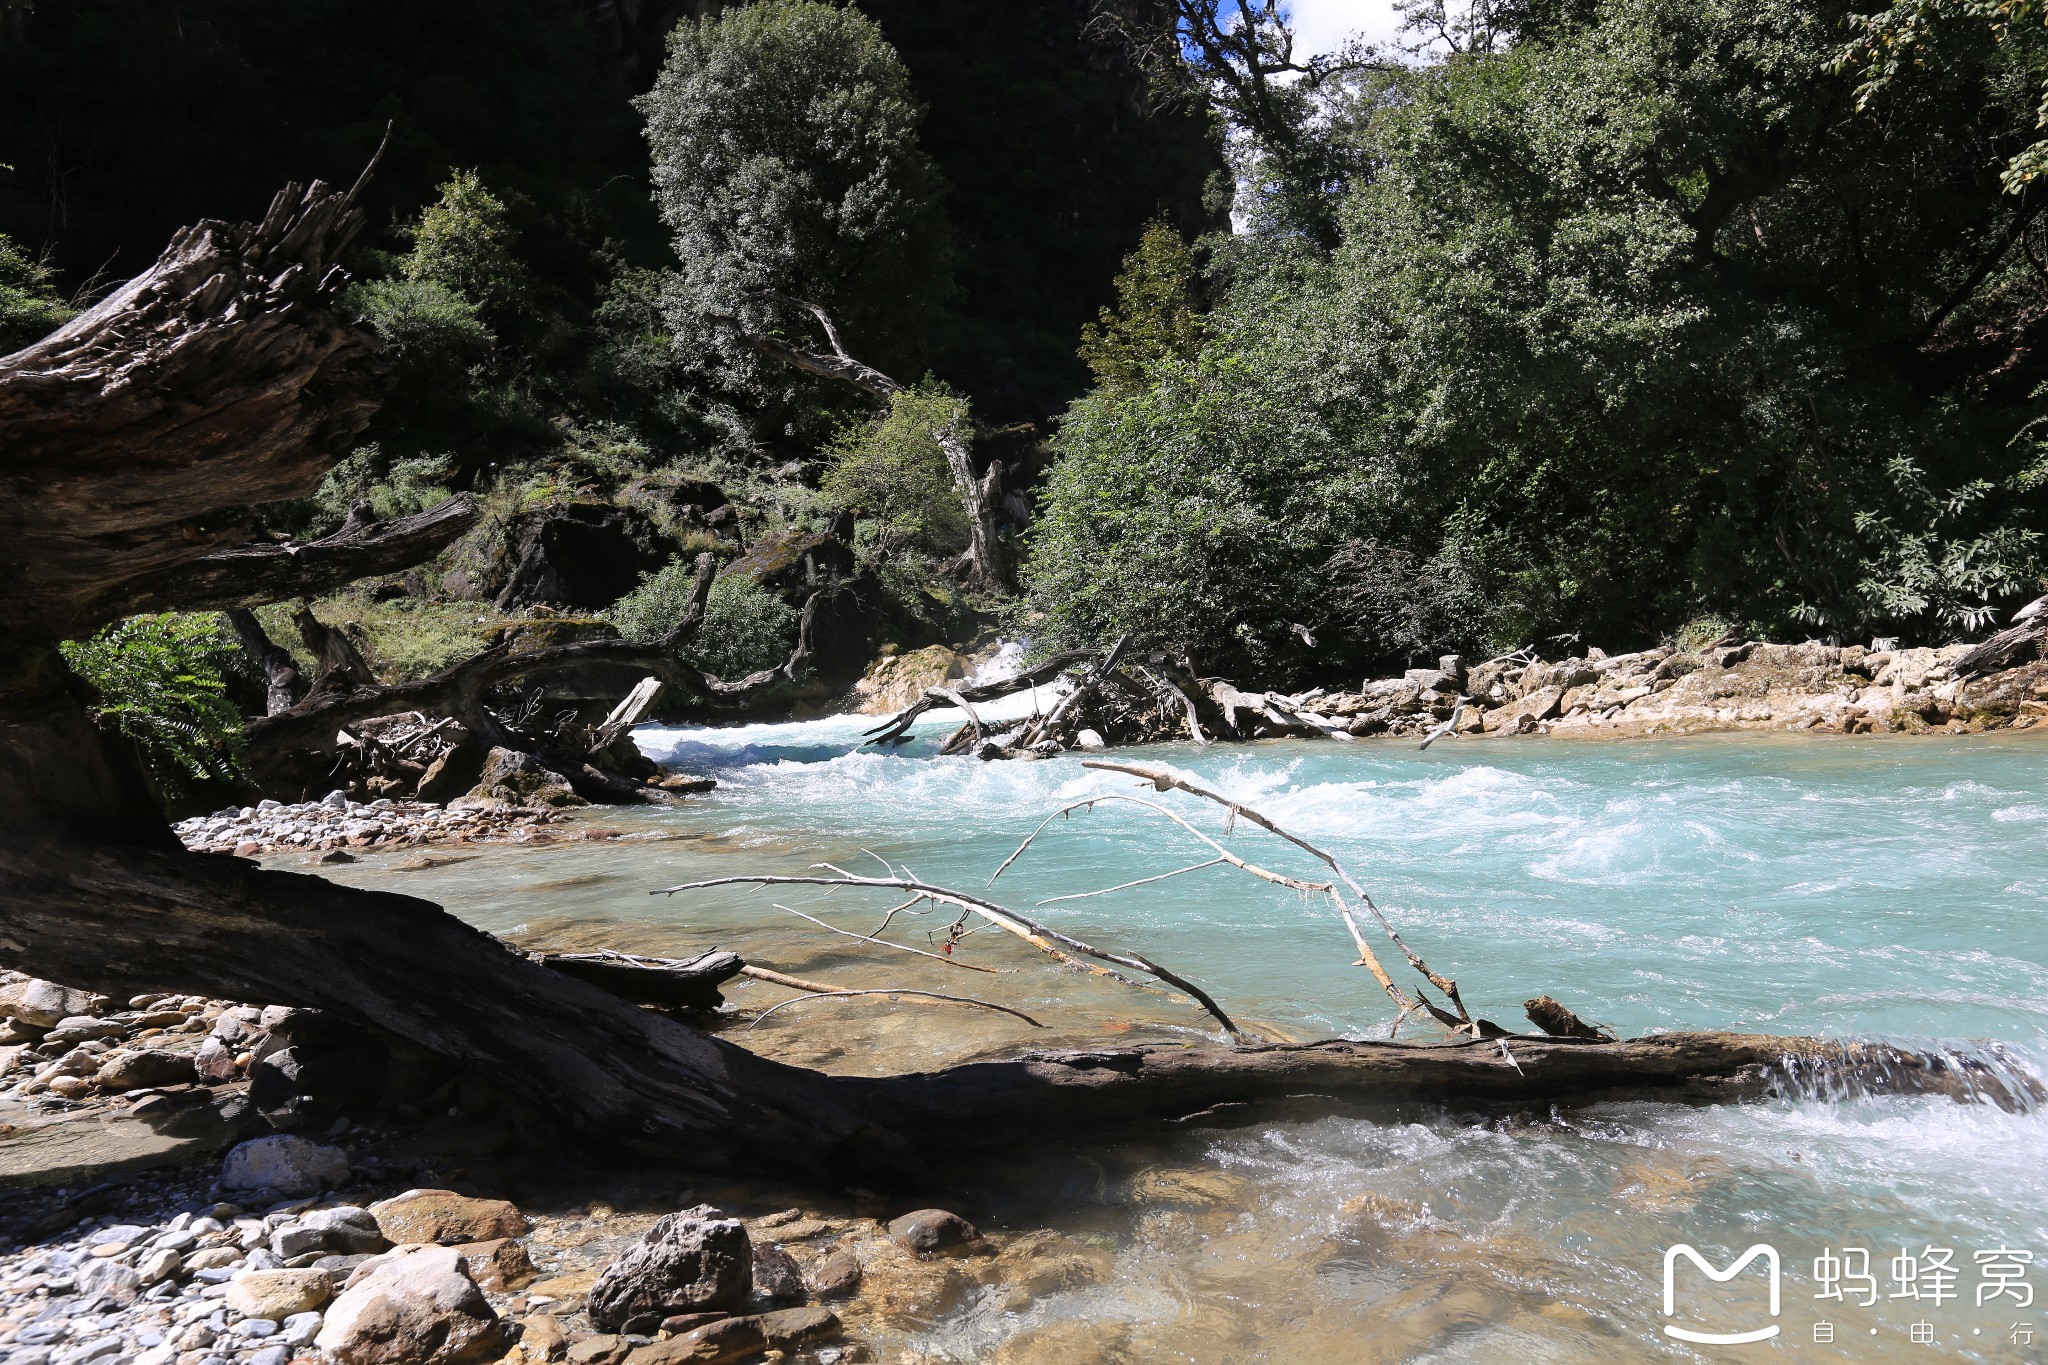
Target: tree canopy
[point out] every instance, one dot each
(1634, 320)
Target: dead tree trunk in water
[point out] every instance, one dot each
(221, 378)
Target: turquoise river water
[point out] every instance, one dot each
(1882, 887)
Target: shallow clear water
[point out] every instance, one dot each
(1886, 887)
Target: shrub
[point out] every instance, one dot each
(393, 488)
(746, 628)
(29, 306)
(893, 474)
(161, 688)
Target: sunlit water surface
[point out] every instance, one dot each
(1880, 887)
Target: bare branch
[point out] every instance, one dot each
(926, 995)
(885, 943)
(1039, 935)
(1165, 779)
(1142, 881)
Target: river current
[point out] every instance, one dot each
(1881, 887)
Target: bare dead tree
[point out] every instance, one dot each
(980, 494)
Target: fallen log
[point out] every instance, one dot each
(2028, 634)
(252, 575)
(675, 984)
(1051, 1095)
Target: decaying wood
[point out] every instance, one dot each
(217, 379)
(1102, 1091)
(338, 666)
(252, 575)
(627, 714)
(690, 984)
(1037, 730)
(462, 692)
(283, 687)
(1559, 1022)
(2028, 634)
(898, 726)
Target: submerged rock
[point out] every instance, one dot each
(932, 1230)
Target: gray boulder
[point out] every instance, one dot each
(689, 1262)
(283, 1165)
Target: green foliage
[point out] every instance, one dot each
(29, 303)
(464, 244)
(1157, 316)
(1891, 42)
(161, 688)
(893, 474)
(400, 638)
(746, 628)
(431, 327)
(785, 159)
(1628, 326)
(393, 488)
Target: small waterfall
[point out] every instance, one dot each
(1972, 1072)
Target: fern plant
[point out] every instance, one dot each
(161, 688)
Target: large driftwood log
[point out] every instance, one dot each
(691, 984)
(137, 435)
(2028, 634)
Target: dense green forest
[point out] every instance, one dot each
(1611, 319)
(1636, 314)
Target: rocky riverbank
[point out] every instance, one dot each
(1751, 686)
(1125, 697)
(336, 824)
(326, 1242)
(290, 1252)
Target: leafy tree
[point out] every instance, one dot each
(892, 474)
(1157, 315)
(464, 243)
(1912, 33)
(162, 688)
(29, 304)
(1634, 322)
(746, 628)
(786, 159)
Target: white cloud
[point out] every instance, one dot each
(1323, 25)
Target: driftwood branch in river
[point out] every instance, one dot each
(691, 984)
